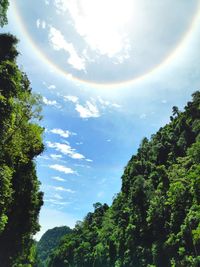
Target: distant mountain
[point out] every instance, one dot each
(155, 220)
(49, 241)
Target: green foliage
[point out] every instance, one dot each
(3, 10)
(155, 219)
(49, 241)
(20, 143)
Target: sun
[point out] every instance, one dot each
(107, 42)
(103, 24)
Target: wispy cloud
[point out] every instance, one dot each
(57, 196)
(62, 133)
(61, 6)
(51, 87)
(65, 149)
(143, 116)
(106, 103)
(55, 156)
(41, 24)
(56, 202)
(62, 189)
(48, 102)
(71, 98)
(43, 157)
(61, 168)
(92, 107)
(89, 110)
(58, 178)
(105, 36)
(58, 42)
(89, 160)
(79, 143)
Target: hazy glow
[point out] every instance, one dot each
(102, 23)
(175, 53)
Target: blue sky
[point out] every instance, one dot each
(105, 84)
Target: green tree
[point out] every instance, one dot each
(155, 220)
(3, 10)
(20, 143)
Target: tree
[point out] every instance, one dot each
(3, 10)
(20, 143)
(155, 220)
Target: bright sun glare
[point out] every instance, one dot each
(103, 24)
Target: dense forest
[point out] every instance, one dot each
(48, 242)
(153, 222)
(155, 219)
(20, 143)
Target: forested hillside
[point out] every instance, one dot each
(20, 143)
(49, 241)
(155, 219)
(153, 222)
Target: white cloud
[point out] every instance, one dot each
(61, 168)
(57, 196)
(99, 24)
(51, 87)
(38, 23)
(65, 149)
(71, 98)
(43, 157)
(92, 107)
(62, 189)
(58, 42)
(62, 133)
(41, 24)
(89, 110)
(56, 202)
(79, 143)
(116, 105)
(106, 103)
(46, 2)
(59, 179)
(50, 102)
(61, 5)
(89, 160)
(55, 156)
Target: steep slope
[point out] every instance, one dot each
(155, 219)
(49, 241)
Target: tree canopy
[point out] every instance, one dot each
(49, 241)
(3, 12)
(20, 143)
(155, 220)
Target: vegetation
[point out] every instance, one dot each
(3, 9)
(20, 143)
(155, 220)
(49, 241)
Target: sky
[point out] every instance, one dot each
(109, 73)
